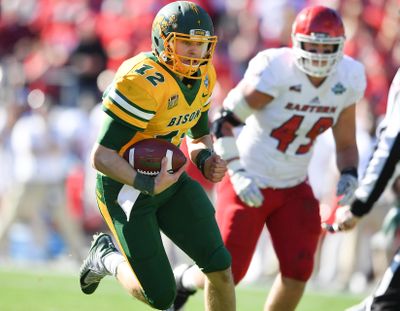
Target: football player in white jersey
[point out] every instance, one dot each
(380, 169)
(288, 96)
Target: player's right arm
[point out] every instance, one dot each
(106, 159)
(110, 163)
(240, 103)
(243, 101)
(123, 103)
(256, 90)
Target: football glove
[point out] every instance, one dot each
(347, 185)
(243, 184)
(246, 188)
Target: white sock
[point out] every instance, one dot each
(188, 281)
(111, 262)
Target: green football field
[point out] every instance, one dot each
(41, 290)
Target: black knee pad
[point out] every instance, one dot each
(220, 260)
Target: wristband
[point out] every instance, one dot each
(351, 171)
(201, 158)
(144, 184)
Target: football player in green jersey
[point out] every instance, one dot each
(161, 94)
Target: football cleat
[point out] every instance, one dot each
(182, 293)
(93, 270)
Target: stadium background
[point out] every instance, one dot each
(56, 58)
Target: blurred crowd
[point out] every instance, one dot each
(58, 56)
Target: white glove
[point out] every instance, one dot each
(346, 187)
(246, 188)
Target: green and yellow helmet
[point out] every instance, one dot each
(185, 21)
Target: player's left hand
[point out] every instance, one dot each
(344, 220)
(215, 168)
(346, 187)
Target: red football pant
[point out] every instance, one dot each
(292, 218)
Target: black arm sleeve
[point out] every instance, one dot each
(359, 208)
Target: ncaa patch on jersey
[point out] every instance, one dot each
(338, 89)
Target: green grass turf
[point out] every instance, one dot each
(46, 291)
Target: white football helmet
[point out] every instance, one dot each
(318, 25)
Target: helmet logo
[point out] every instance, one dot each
(199, 32)
(163, 23)
(318, 35)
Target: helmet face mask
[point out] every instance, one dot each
(321, 26)
(183, 23)
(186, 65)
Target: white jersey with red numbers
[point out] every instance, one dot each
(276, 143)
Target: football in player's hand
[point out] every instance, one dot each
(145, 156)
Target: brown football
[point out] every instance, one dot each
(145, 156)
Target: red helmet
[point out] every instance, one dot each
(318, 25)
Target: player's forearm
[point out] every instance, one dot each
(108, 162)
(196, 145)
(347, 157)
(344, 132)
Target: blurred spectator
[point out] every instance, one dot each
(41, 161)
(276, 18)
(89, 58)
